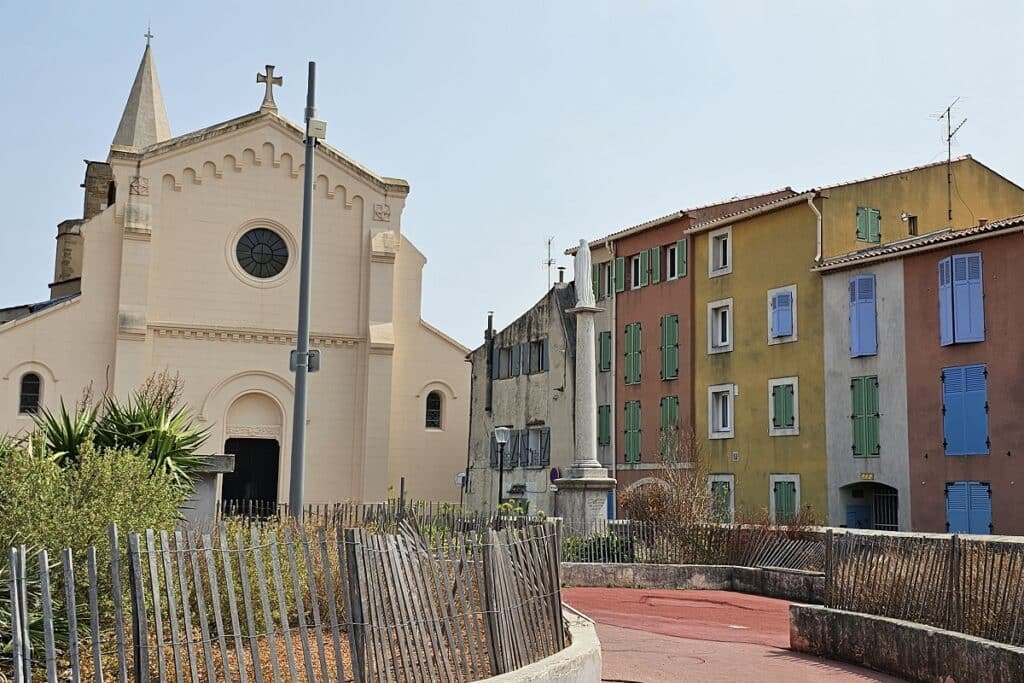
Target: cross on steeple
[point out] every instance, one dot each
(148, 34)
(270, 80)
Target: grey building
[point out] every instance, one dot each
(523, 379)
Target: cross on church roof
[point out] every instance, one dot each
(270, 80)
(148, 34)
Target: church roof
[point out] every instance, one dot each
(144, 121)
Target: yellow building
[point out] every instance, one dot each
(758, 335)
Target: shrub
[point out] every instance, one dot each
(598, 548)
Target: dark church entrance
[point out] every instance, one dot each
(255, 475)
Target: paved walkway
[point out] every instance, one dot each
(650, 636)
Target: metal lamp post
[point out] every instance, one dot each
(501, 437)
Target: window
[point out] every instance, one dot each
(965, 410)
(620, 274)
(869, 224)
(536, 447)
(433, 420)
(609, 279)
(535, 356)
(783, 407)
(671, 263)
(262, 253)
(634, 272)
(720, 252)
(785, 497)
(865, 416)
(595, 275)
(669, 346)
(911, 224)
(604, 425)
(961, 300)
(782, 314)
(669, 445)
(722, 488)
(968, 507)
(634, 353)
(720, 411)
(863, 324)
(720, 326)
(631, 450)
(31, 392)
(604, 351)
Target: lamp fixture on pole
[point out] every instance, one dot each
(501, 438)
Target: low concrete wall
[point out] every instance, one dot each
(580, 662)
(902, 648)
(786, 584)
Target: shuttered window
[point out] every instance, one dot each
(604, 351)
(681, 258)
(669, 426)
(869, 224)
(783, 414)
(595, 276)
(784, 499)
(968, 507)
(669, 346)
(632, 432)
(782, 314)
(604, 425)
(865, 417)
(620, 274)
(961, 300)
(965, 410)
(634, 353)
(863, 325)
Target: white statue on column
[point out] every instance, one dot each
(584, 288)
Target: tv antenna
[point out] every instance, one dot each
(950, 132)
(549, 262)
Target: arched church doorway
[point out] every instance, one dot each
(253, 436)
(871, 505)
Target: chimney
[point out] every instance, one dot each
(561, 275)
(982, 221)
(489, 332)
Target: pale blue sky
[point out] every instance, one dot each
(517, 121)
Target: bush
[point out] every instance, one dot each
(598, 548)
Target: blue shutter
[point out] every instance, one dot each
(782, 314)
(526, 359)
(979, 497)
(854, 321)
(975, 410)
(514, 371)
(957, 515)
(545, 447)
(863, 326)
(968, 300)
(954, 413)
(946, 302)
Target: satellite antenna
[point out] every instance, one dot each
(950, 132)
(549, 262)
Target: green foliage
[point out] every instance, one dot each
(66, 433)
(598, 547)
(33, 598)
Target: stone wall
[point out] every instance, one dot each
(902, 648)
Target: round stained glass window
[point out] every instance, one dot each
(262, 253)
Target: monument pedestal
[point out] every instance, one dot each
(583, 497)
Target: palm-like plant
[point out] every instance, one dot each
(66, 433)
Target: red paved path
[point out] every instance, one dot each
(649, 636)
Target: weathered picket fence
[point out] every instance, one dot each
(409, 601)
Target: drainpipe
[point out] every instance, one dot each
(810, 203)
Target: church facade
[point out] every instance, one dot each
(186, 260)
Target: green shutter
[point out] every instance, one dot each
(632, 432)
(862, 224)
(663, 347)
(620, 274)
(633, 353)
(776, 407)
(604, 431)
(681, 258)
(655, 265)
(874, 225)
(672, 339)
(638, 353)
(604, 349)
(645, 265)
(785, 501)
(783, 416)
(595, 276)
(865, 416)
(627, 365)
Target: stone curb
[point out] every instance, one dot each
(580, 662)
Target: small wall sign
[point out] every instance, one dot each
(867, 476)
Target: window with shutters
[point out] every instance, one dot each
(869, 224)
(782, 315)
(632, 432)
(720, 252)
(604, 425)
(668, 441)
(863, 322)
(609, 279)
(634, 353)
(783, 407)
(969, 507)
(535, 447)
(722, 488)
(965, 410)
(504, 362)
(671, 262)
(604, 351)
(433, 409)
(669, 346)
(720, 411)
(961, 300)
(31, 391)
(634, 273)
(535, 355)
(720, 326)
(785, 497)
(866, 440)
(620, 274)
(499, 454)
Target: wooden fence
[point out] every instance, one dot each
(285, 602)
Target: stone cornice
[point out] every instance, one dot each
(247, 335)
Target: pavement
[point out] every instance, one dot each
(650, 636)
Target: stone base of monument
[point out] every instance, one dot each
(583, 496)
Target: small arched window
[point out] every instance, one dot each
(31, 390)
(433, 410)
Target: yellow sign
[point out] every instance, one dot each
(867, 476)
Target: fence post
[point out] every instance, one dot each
(829, 567)
(354, 617)
(16, 610)
(117, 593)
(955, 604)
(140, 632)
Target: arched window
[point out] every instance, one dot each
(433, 410)
(31, 389)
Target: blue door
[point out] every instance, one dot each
(858, 517)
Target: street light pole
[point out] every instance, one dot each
(501, 435)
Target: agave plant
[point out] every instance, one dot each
(65, 433)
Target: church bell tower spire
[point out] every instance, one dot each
(144, 121)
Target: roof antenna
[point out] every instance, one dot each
(950, 132)
(548, 262)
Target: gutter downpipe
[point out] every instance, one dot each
(810, 203)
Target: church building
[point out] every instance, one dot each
(186, 260)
